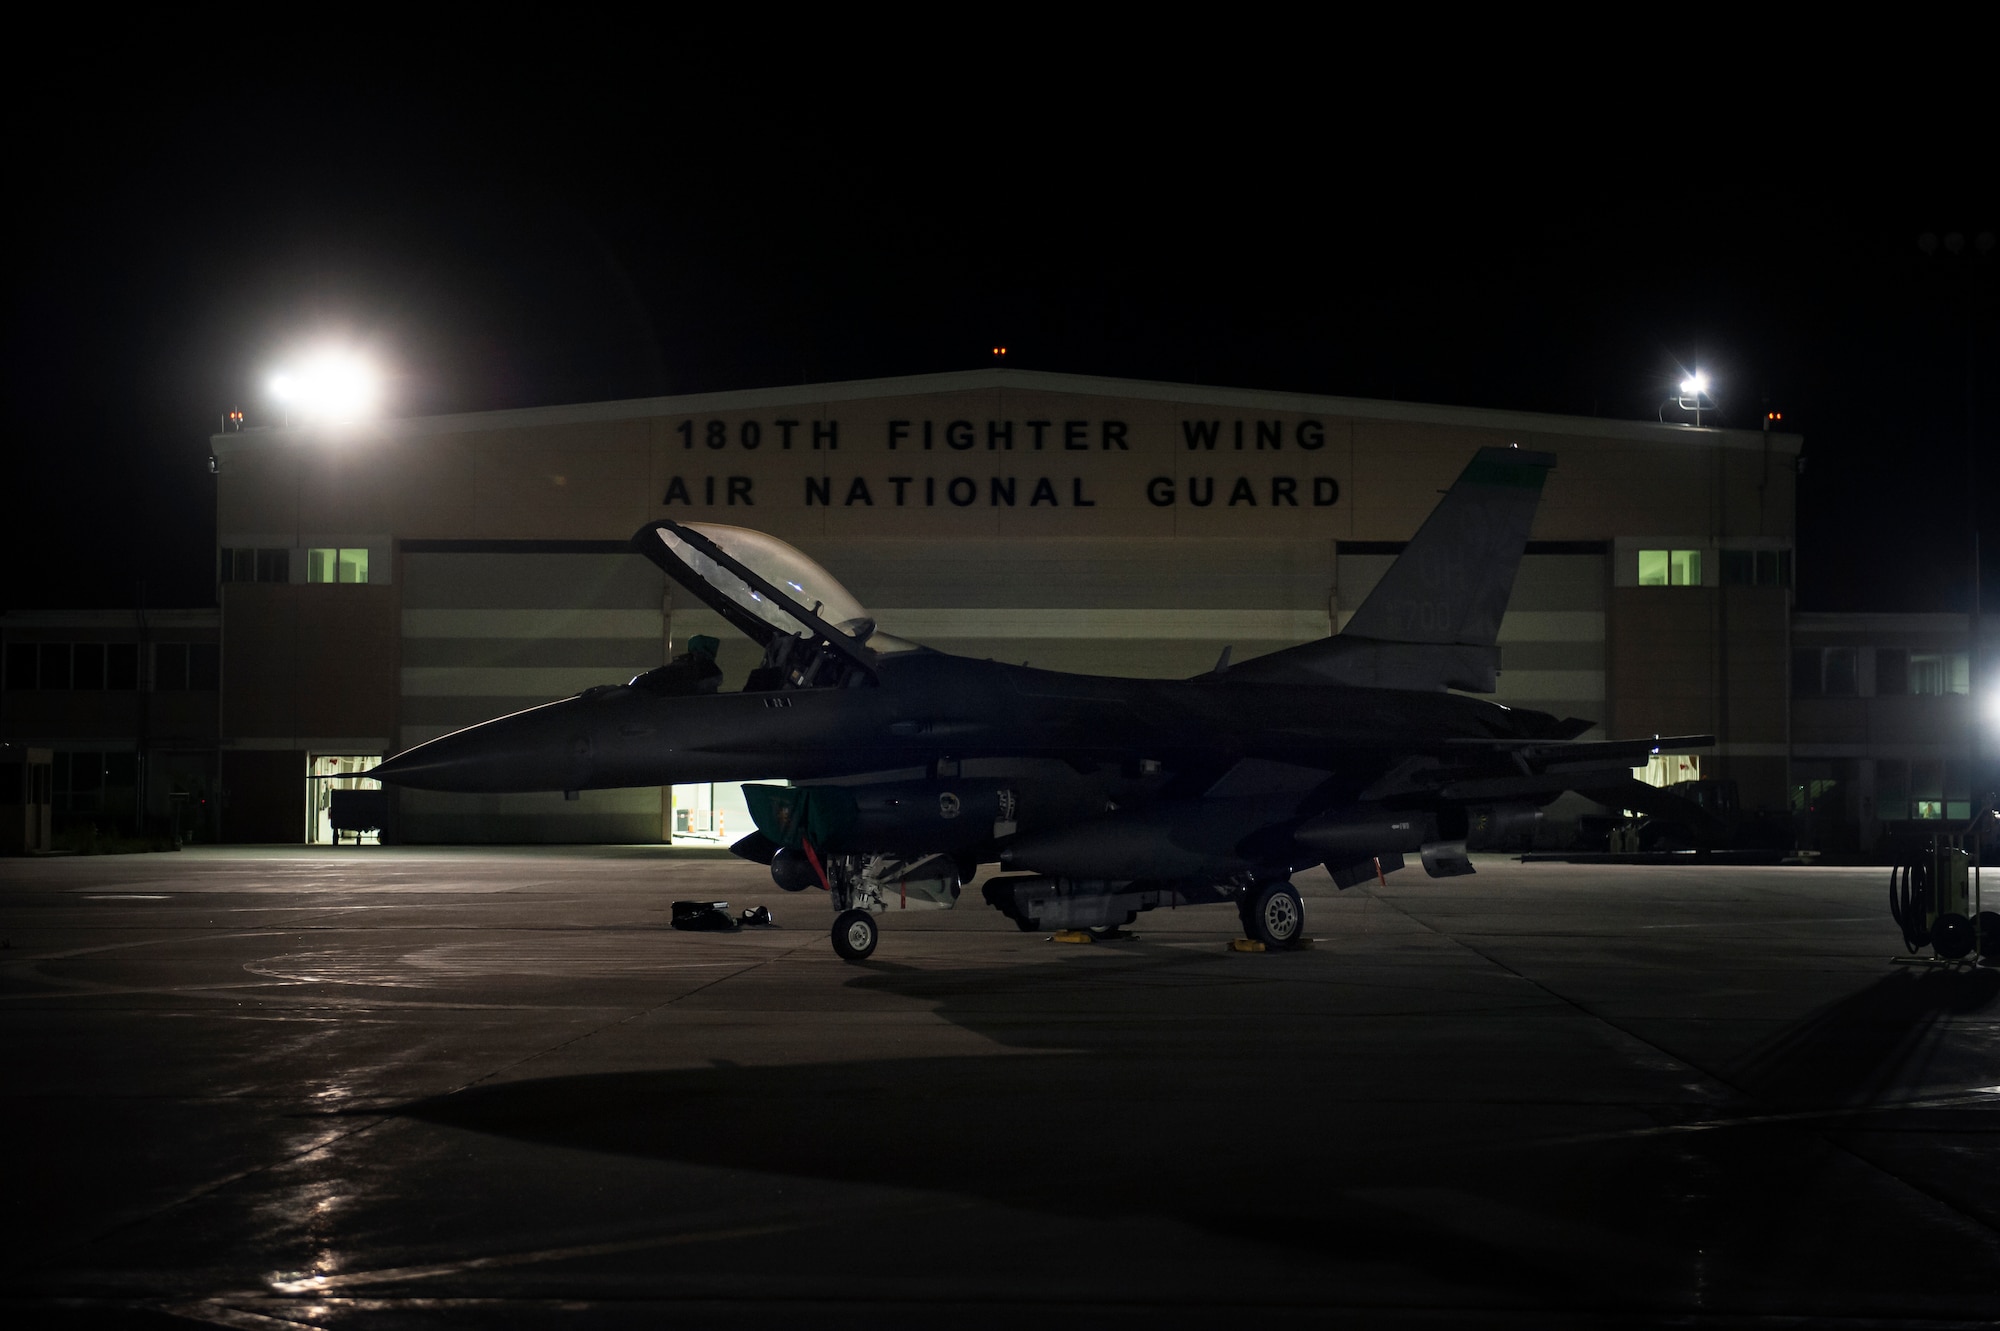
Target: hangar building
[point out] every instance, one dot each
(383, 583)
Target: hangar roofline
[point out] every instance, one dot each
(1048, 381)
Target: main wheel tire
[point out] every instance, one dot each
(1986, 926)
(1277, 917)
(1111, 930)
(854, 935)
(1951, 936)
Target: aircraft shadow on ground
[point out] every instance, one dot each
(1125, 1117)
(1879, 1042)
(1099, 1129)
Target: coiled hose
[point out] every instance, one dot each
(1910, 901)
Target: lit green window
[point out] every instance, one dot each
(1939, 672)
(1670, 568)
(336, 565)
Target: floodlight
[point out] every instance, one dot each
(1694, 385)
(329, 386)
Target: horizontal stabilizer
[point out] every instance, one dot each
(1542, 754)
(1655, 802)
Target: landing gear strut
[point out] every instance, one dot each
(855, 896)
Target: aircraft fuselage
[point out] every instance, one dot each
(930, 706)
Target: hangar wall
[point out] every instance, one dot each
(1144, 606)
(1108, 526)
(492, 627)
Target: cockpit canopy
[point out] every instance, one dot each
(776, 595)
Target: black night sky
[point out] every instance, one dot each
(571, 231)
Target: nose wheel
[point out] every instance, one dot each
(854, 935)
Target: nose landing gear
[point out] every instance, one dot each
(854, 935)
(856, 897)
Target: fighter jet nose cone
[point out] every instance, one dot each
(452, 762)
(401, 769)
(539, 749)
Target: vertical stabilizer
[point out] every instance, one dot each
(1451, 584)
(1433, 622)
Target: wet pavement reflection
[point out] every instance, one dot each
(462, 1088)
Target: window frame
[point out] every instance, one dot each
(1670, 568)
(164, 674)
(86, 667)
(335, 562)
(45, 674)
(20, 654)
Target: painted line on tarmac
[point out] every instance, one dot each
(296, 1282)
(217, 1313)
(1981, 1095)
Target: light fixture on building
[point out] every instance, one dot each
(328, 387)
(1693, 389)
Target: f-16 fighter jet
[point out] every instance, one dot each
(908, 768)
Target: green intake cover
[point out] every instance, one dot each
(790, 814)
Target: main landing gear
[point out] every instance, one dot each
(1272, 914)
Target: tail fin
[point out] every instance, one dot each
(1451, 584)
(1433, 622)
